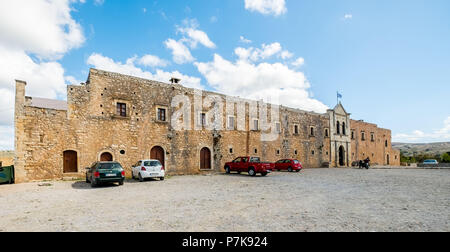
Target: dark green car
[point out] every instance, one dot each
(105, 172)
(7, 175)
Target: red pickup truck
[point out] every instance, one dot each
(252, 165)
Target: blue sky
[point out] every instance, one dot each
(389, 59)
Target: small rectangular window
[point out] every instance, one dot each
(122, 109)
(296, 129)
(363, 136)
(278, 127)
(231, 123)
(202, 119)
(162, 114)
(255, 124)
(312, 131)
(326, 133)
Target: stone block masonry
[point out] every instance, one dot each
(127, 119)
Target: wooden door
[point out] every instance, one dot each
(157, 153)
(341, 156)
(205, 159)
(106, 157)
(70, 162)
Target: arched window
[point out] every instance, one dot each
(343, 129)
(106, 157)
(338, 128)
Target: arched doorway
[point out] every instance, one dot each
(70, 162)
(106, 157)
(205, 159)
(157, 153)
(341, 156)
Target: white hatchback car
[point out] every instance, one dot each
(145, 169)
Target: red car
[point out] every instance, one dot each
(288, 165)
(252, 165)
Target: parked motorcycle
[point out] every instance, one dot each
(364, 164)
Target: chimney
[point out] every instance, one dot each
(20, 93)
(175, 81)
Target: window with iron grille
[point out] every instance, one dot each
(161, 114)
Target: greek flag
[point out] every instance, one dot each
(339, 95)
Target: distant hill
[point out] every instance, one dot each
(427, 148)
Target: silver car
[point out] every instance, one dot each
(430, 162)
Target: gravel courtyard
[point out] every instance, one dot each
(313, 200)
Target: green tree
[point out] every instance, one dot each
(445, 158)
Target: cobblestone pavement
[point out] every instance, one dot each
(313, 200)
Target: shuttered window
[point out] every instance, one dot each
(122, 109)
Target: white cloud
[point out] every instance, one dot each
(242, 39)
(263, 53)
(286, 55)
(299, 62)
(99, 2)
(191, 37)
(348, 16)
(194, 35)
(418, 136)
(181, 54)
(46, 29)
(129, 68)
(43, 27)
(254, 81)
(6, 137)
(152, 61)
(267, 7)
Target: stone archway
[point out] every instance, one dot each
(70, 161)
(341, 156)
(158, 153)
(106, 157)
(205, 159)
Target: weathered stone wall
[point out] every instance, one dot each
(376, 144)
(91, 126)
(6, 158)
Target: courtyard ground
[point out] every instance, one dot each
(313, 200)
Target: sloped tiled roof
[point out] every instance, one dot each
(48, 104)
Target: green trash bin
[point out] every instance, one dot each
(7, 175)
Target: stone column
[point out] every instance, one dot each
(19, 133)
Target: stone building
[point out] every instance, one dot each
(126, 119)
(6, 158)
